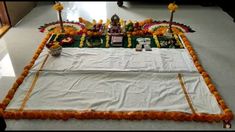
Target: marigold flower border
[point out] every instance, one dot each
(127, 115)
(186, 28)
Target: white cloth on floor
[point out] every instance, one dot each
(118, 59)
(116, 79)
(115, 91)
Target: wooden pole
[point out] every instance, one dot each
(170, 23)
(61, 22)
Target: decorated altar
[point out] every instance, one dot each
(87, 72)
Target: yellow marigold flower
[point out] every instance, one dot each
(172, 7)
(58, 7)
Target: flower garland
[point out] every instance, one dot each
(69, 26)
(107, 41)
(25, 72)
(129, 40)
(68, 29)
(128, 115)
(162, 25)
(156, 40)
(163, 29)
(82, 40)
(178, 41)
(227, 115)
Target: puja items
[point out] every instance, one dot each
(55, 48)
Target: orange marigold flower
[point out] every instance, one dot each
(223, 106)
(41, 47)
(185, 39)
(27, 67)
(207, 80)
(168, 115)
(19, 114)
(175, 116)
(221, 101)
(65, 117)
(227, 110)
(15, 85)
(72, 32)
(84, 30)
(134, 33)
(20, 80)
(216, 118)
(6, 101)
(217, 96)
(10, 93)
(191, 52)
(7, 115)
(43, 41)
(227, 116)
(35, 56)
(38, 51)
(194, 57)
(47, 37)
(196, 117)
(188, 47)
(197, 64)
(209, 118)
(31, 64)
(161, 115)
(10, 96)
(204, 74)
(141, 33)
(211, 87)
(25, 73)
(200, 69)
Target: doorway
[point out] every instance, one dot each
(4, 19)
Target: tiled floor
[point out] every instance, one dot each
(213, 41)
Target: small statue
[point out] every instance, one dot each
(115, 31)
(115, 25)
